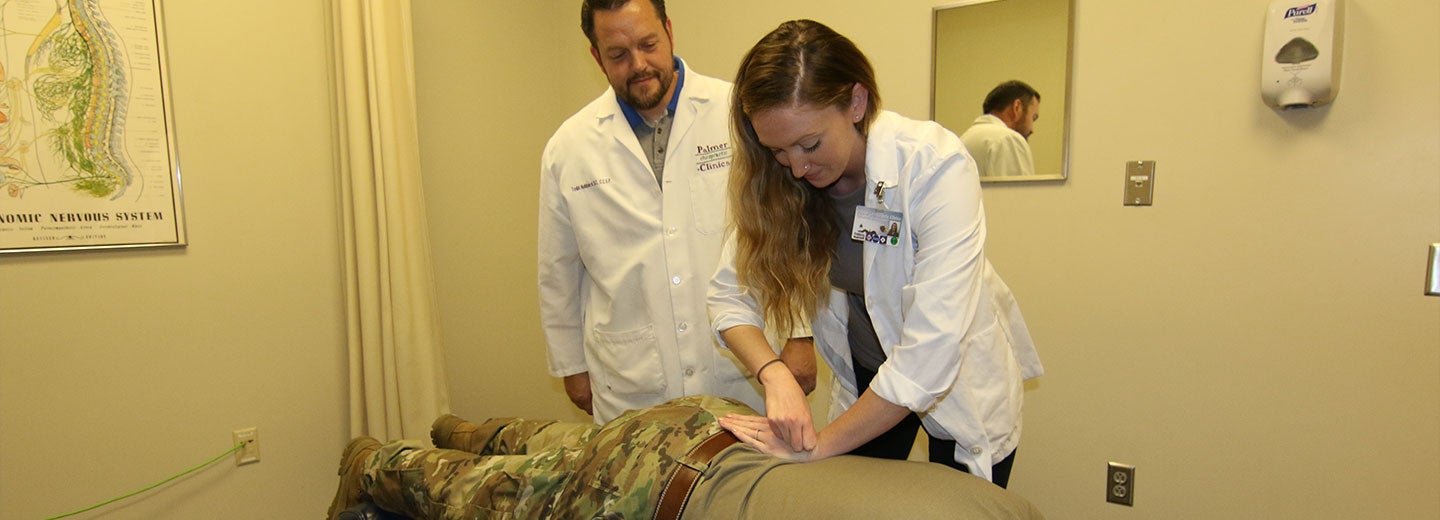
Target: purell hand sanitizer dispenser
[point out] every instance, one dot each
(1301, 63)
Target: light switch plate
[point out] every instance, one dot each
(1139, 183)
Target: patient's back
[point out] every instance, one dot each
(866, 488)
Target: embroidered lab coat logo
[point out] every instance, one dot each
(712, 157)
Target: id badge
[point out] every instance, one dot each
(876, 226)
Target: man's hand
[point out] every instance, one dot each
(799, 355)
(577, 386)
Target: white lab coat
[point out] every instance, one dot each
(624, 266)
(998, 150)
(957, 347)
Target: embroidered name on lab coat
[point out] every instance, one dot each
(590, 184)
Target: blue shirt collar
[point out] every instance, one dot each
(633, 116)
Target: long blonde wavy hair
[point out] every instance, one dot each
(785, 233)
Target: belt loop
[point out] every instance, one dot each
(676, 492)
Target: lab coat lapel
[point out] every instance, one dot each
(686, 113)
(612, 122)
(882, 165)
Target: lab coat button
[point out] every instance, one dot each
(689, 372)
(675, 280)
(672, 231)
(975, 451)
(683, 327)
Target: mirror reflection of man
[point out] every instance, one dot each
(632, 220)
(999, 139)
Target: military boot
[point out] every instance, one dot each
(352, 470)
(454, 433)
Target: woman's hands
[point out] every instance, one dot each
(756, 432)
(786, 410)
(868, 418)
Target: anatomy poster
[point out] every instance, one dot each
(87, 148)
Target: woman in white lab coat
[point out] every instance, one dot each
(915, 324)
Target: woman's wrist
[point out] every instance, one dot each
(820, 451)
(760, 371)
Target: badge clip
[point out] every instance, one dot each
(880, 188)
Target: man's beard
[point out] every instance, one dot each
(653, 99)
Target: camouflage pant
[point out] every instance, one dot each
(543, 469)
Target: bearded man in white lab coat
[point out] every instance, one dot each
(632, 216)
(999, 139)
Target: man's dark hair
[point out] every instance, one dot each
(1006, 93)
(588, 8)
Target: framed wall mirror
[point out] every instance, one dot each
(979, 44)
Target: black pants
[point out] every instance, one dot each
(897, 442)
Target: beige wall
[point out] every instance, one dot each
(494, 79)
(1255, 342)
(121, 368)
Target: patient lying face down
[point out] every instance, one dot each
(669, 461)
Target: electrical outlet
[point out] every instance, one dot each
(249, 438)
(1120, 484)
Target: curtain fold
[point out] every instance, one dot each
(396, 371)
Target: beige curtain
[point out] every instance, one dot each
(397, 377)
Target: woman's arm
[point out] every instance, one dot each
(736, 317)
(786, 409)
(869, 417)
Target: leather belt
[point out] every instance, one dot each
(677, 490)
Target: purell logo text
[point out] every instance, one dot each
(1304, 10)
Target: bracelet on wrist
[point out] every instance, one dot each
(767, 365)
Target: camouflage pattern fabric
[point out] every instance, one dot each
(510, 436)
(531, 472)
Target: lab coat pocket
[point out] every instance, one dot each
(707, 201)
(630, 360)
(992, 382)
